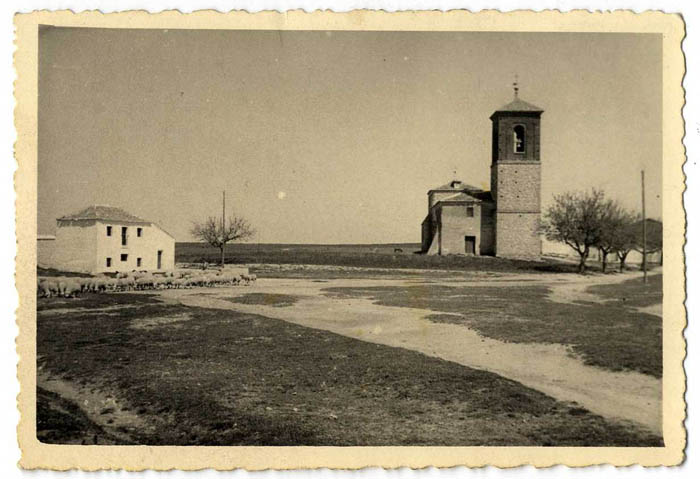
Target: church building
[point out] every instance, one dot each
(505, 221)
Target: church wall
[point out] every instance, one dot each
(488, 229)
(436, 196)
(504, 142)
(518, 216)
(517, 235)
(426, 234)
(518, 186)
(455, 225)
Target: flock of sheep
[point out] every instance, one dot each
(70, 287)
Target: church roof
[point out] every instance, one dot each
(518, 105)
(456, 185)
(457, 197)
(105, 213)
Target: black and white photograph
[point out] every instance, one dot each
(335, 237)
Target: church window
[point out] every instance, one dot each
(519, 139)
(470, 211)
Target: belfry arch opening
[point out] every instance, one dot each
(519, 139)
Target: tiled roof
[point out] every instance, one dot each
(457, 197)
(519, 105)
(106, 213)
(456, 185)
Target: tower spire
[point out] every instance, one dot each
(515, 86)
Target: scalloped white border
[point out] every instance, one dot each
(509, 457)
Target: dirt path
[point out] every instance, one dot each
(548, 368)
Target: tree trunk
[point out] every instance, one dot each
(582, 263)
(222, 255)
(622, 257)
(604, 255)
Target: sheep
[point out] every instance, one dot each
(248, 278)
(48, 288)
(71, 289)
(144, 282)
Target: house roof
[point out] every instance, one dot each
(110, 213)
(518, 105)
(105, 213)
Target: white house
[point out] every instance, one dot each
(45, 246)
(103, 239)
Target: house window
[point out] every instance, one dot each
(124, 257)
(109, 262)
(519, 139)
(124, 229)
(470, 211)
(139, 231)
(138, 262)
(109, 231)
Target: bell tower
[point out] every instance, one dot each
(515, 178)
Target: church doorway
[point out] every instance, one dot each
(470, 245)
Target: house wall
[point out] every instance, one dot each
(455, 225)
(75, 246)
(144, 247)
(45, 248)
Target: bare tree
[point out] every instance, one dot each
(577, 220)
(216, 233)
(617, 235)
(625, 242)
(655, 236)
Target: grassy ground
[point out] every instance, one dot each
(367, 256)
(612, 335)
(215, 377)
(61, 421)
(633, 293)
(276, 300)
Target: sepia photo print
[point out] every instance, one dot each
(315, 234)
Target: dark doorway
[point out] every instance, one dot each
(160, 259)
(470, 244)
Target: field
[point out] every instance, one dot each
(390, 256)
(341, 355)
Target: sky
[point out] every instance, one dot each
(331, 137)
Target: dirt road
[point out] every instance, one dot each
(548, 368)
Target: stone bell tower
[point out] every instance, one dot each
(515, 178)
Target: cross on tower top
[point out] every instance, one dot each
(515, 86)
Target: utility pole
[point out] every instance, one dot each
(644, 233)
(223, 228)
